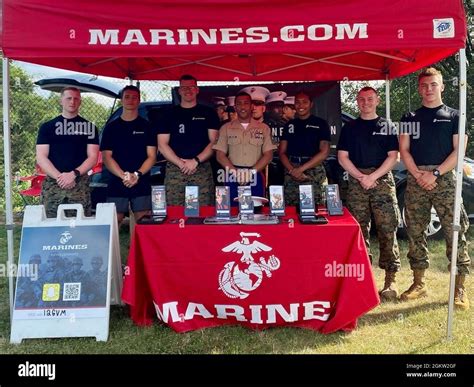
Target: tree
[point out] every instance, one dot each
(404, 91)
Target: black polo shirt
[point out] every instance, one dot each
(128, 141)
(431, 133)
(188, 129)
(276, 126)
(67, 140)
(368, 141)
(304, 136)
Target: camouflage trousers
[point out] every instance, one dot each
(176, 181)
(418, 203)
(381, 203)
(52, 196)
(316, 177)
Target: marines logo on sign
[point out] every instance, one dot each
(65, 237)
(237, 280)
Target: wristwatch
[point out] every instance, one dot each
(197, 160)
(77, 173)
(436, 172)
(138, 174)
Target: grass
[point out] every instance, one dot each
(417, 327)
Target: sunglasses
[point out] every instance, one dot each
(258, 103)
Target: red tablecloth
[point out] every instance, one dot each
(198, 276)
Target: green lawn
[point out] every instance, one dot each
(417, 327)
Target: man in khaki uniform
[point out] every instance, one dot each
(244, 149)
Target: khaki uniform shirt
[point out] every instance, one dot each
(244, 146)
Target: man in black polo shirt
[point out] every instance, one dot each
(185, 138)
(66, 149)
(128, 148)
(368, 150)
(303, 148)
(428, 146)
(273, 117)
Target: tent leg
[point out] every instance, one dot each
(8, 177)
(458, 197)
(387, 98)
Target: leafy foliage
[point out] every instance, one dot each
(404, 91)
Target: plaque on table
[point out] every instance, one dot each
(333, 200)
(191, 201)
(245, 200)
(222, 202)
(277, 200)
(221, 220)
(259, 219)
(244, 219)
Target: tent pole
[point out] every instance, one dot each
(8, 177)
(459, 177)
(387, 97)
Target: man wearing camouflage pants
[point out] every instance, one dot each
(368, 150)
(303, 148)
(185, 138)
(428, 146)
(67, 147)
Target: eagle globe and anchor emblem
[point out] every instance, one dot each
(236, 281)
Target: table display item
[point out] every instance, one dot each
(158, 206)
(307, 213)
(223, 202)
(191, 197)
(259, 219)
(333, 200)
(277, 200)
(256, 219)
(245, 200)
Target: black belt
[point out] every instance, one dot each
(242, 167)
(299, 160)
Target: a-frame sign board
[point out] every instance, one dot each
(69, 273)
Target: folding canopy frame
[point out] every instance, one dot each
(239, 40)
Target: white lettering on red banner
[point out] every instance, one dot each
(170, 312)
(237, 280)
(213, 36)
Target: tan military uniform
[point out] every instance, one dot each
(244, 146)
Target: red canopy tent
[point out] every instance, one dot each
(246, 40)
(252, 40)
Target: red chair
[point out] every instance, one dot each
(36, 183)
(98, 167)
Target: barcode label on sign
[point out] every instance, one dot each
(72, 291)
